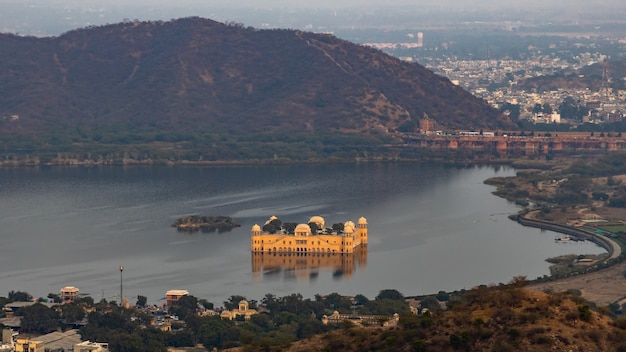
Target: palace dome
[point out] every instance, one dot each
(256, 228)
(348, 230)
(318, 220)
(362, 221)
(303, 228)
(348, 223)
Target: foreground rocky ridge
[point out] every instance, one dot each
(486, 318)
(504, 318)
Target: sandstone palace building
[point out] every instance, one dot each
(279, 238)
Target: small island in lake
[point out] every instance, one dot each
(205, 223)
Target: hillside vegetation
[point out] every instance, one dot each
(486, 318)
(198, 89)
(499, 318)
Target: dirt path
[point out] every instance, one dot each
(602, 287)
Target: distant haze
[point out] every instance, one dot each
(53, 17)
(481, 4)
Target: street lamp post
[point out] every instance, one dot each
(121, 287)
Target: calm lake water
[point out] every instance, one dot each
(431, 228)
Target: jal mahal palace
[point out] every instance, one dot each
(303, 240)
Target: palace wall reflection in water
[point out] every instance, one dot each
(301, 266)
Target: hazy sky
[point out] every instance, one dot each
(53, 17)
(332, 3)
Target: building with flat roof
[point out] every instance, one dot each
(173, 296)
(87, 346)
(69, 293)
(426, 125)
(7, 344)
(60, 341)
(14, 308)
(27, 345)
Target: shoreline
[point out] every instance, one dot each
(575, 210)
(601, 286)
(613, 249)
(516, 163)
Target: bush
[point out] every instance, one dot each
(419, 346)
(617, 202)
(513, 333)
(621, 323)
(594, 335)
(443, 296)
(584, 312)
(542, 340)
(503, 347)
(599, 196)
(390, 294)
(574, 292)
(528, 318)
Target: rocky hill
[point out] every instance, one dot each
(195, 80)
(486, 319)
(587, 77)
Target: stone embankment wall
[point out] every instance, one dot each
(572, 231)
(563, 142)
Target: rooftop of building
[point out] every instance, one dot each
(177, 293)
(58, 341)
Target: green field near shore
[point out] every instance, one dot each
(614, 228)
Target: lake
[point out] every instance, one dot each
(431, 228)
